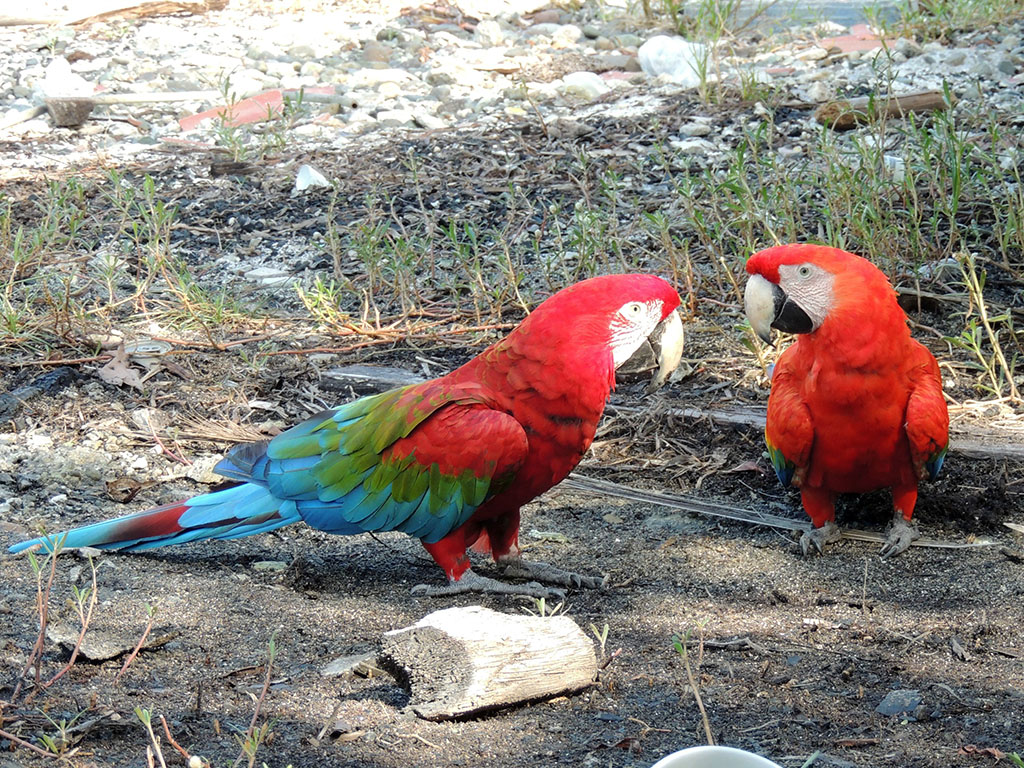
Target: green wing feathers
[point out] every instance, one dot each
(419, 459)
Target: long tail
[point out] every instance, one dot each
(243, 510)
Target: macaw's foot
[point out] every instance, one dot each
(473, 582)
(515, 567)
(900, 535)
(819, 537)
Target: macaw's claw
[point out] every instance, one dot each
(546, 573)
(819, 537)
(900, 535)
(473, 582)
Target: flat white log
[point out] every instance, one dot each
(460, 661)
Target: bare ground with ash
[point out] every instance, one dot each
(792, 655)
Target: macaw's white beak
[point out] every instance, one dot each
(759, 303)
(768, 306)
(661, 352)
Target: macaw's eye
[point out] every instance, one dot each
(804, 271)
(634, 308)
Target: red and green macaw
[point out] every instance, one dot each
(449, 461)
(856, 404)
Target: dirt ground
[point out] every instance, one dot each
(792, 655)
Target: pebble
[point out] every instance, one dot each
(404, 74)
(489, 33)
(696, 128)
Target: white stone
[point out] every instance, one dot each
(429, 121)
(815, 53)
(395, 117)
(489, 33)
(692, 146)
(673, 58)
(307, 177)
(60, 80)
(584, 85)
(819, 91)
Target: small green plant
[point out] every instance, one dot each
(228, 134)
(994, 364)
(153, 749)
(681, 644)
(541, 608)
(61, 740)
(939, 19)
(1016, 759)
(258, 734)
(601, 635)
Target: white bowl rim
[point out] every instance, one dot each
(719, 750)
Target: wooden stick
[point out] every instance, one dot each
(15, 117)
(977, 444)
(459, 661)
(599, 487)
(844, 114)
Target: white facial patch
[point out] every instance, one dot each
(630, 327)
(810, 288)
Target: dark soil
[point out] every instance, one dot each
(792, 655)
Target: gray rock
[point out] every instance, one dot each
(356, 664)
(266, 275)
(899, 702)
(270, 565)
(549, 29)
(591, 31)
(375, 51)
(1006, 66)
(302, 52)
(692, 146)
(97, 645)
(439, 77)
(695, 128)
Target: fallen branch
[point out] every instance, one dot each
(15, 117)
(975, 444)
(844, 114)
(716, 509)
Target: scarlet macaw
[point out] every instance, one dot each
(856, 404)
(449, 461)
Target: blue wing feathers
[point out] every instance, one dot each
(934, 464)
(330, 471)
(784, 469)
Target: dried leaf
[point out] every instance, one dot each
(958, 650)
(123, 489)
(746, 466)
(970, 749)
(119, 372)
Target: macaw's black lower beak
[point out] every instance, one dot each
(768, 306)
(660, 352)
